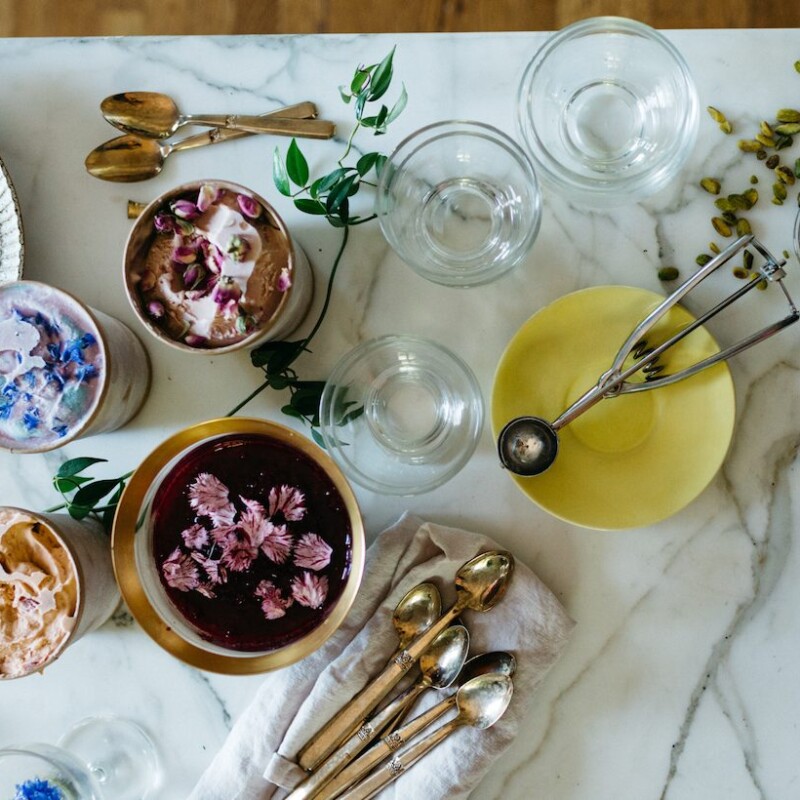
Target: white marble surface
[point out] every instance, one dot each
(681, 679)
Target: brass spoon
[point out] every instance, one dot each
(498, 662)
(439, 665)
(481, 702)
(156, 115)
(480, 584)
(131, 158)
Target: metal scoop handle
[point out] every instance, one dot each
(614, 381)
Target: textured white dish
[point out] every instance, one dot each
(11, 239)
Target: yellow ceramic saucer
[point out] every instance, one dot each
(631, 460)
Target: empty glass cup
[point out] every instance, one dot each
(459, 202)
(401, 415)
(608, 111)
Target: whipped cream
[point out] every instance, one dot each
(38, 594)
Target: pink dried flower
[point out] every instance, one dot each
(288, 501)
(238, 247)
(155, 309)
(226, 295)
(184, 254)
(213, 257)
(164, 223)
(207, 195)
(310, 590)
(185, 209)
(312, 552)
(180, 572)
(206, 590)
(254, 523)
(193, 340)
(277, 543)
(273, 604)
(284, 280)
(195, 537)
(249, 206)
(193, 277)
(238, 553)
(209, 496)
(214, 570)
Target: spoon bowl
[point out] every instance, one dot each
(482, 582)
(483, 700)
(442, 662)
(528, 445)
(417, 610)
(143, 113)
(499, 662)
(127, 159)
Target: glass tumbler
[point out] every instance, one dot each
(459, 202)
(401, 414)
(608, 111)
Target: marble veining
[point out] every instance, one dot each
(680, 681)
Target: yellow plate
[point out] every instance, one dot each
(631, 460)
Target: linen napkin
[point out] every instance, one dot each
(256, 760)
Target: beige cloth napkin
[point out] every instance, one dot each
(256, 759)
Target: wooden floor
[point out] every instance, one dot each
(143, 17)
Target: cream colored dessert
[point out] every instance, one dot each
(217, 268)
(38, 594)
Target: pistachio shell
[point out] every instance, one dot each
(788, 115)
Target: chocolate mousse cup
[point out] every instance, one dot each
(67, 371)
(210, 268)
(56, 585)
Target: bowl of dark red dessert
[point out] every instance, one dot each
(238, 545)
(210, 267)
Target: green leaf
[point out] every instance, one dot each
(366, 163)
(76, 465)
(278, 381)
(296, 165)
(279, 174)
(336, 221)
(398, 107)
(361, 101)
(354, 414)
(306, 404)
(312, 386)
(309, 206)
(343, 93)
(380, 164)
(382, 77)
(359, 79)
(64, 485)
(78, 512)
(340, 193)
(331, 179)
(91, 493)
(291, 411)
(283, 355)
(317, 437)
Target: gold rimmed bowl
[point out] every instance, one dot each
(238, 546)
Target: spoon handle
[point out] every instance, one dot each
(350, 750)
(399, 763)
(306, 128)
(304, 110)
(328, 738)
(355, 771)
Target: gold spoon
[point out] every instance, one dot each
(439, 665)
(131, 158)
(156, 115)
(481, 702)
(480, 584)
(499, 662)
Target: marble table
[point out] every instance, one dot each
(681, 679)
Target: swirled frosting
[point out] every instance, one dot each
(38, 594)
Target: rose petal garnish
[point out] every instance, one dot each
(164, 223)
(195, 537)
(185, 209)
(209, 497)
(185, 254)
(273, 603)
(277, 543)
(312, 552)
(207, 196)
(288, 501)
(193, 340)
(284, 280)
(226, 295)
(213, 257)
(238, 554)
(214, 570)
(155, 309)
(310, 590)
(249, 206)
(193, 277)
(180, 572)
(238, 247)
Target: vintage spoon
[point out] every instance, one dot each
(417, 610)
(480, 584)
(156, 115)
(439, 665)
(481, 702)
(498, 662)
(131, 158)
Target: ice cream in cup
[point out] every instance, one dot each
(56, 584)
(210, 267)
(66, 370)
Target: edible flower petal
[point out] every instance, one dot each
(193, 340)
(226, 295)
(164, 223)
(155, 309)
(214, 570)
(238, 553)
(185, 254)
(284, 280)
(207, 196)
(185, 209)
(37, 789)
(273, 603)
(254, 524)
(209, 497)
(195, 537)
(249, 206)
(310, 590)
(312, 552)
(287, 501)
(277, 543)
(180, 572)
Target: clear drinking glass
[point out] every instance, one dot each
(102, 758)
(608, 111)
(401, 415)
(459, 202)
